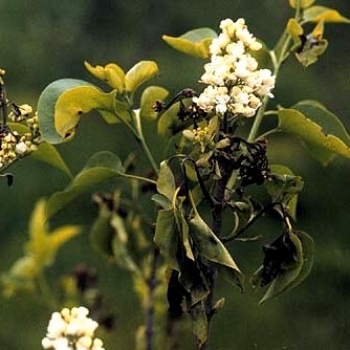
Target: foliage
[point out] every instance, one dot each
(212, 171)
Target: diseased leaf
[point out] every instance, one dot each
(211, 248)
(312, 46)
(321, 144)
(283, 186)
(100, 167)
(322, 13)
(282, 265)
(149, 97)
(139, 74)
(195, 42)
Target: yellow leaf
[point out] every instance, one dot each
(301, 3)
(112, 74)
(319, 13)
(97, 71)
(139, 74)
(43, 245)
(295, 30)
(41, 250)
(76, 101)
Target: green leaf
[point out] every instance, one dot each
(194, 43)
(166, 181)
(301, 3)
(320, 141)
(283, 186)
(329, 122)
(101, 166)
(62, 103)
(102, 233)
(47, 153)
(322, 13)
(169, 123)
(139, 74)
(308, 249)
(200, 326)
(148, 99)
(121, 253)
(211, 248)
(166, 236)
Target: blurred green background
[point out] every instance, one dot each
(42, 41)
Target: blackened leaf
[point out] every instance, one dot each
(283, 263)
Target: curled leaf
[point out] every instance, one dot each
(75, 102)
(312, 45)
(288, 261)
(283, 262)
(63, 102)
(112, 74)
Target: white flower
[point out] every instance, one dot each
(71, 329)
(235, 84)
(21, 148)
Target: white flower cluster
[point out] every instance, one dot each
(235, 84)
(12, 144)
(72, 330)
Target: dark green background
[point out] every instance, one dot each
(41, 41)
